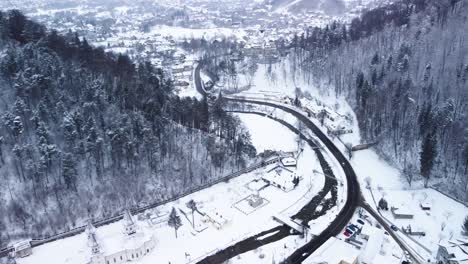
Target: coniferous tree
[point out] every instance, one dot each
(174, 220)
(428, 156)
(465, 157)
(465, 226)
(69, 171)
(2, 140)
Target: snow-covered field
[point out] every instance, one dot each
(218, 198)
(273, 135)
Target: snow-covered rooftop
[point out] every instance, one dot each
(327, 253)
(373, 246)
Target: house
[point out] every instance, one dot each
(373, 246)
(426, 206)
(22, 249)
(216, 218)
(289, 162)
(401, 213)
(282, 177)
(327, 253)
(452, 252)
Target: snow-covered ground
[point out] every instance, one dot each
(444, 219)
(274, 136)
(219, 198)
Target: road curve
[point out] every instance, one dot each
(354, 197)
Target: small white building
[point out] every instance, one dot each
(402, 212)
(327, 253)
(452, 252)
(289, 162)
(22, 249)
(375, 239)
(218, 219)
(426, 206)
(282, 177)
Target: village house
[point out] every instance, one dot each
(401, 213)
(426, 206)
(285, 178)
(348, 253)
(216, 218)
(375, 238)
(452, 252)
(289, 162)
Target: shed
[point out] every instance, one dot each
(402, 213)
(289, 162)
(426, 206)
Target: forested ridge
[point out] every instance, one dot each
(86, 134)
(404, 69)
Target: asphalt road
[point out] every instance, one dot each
(354, 197)
(306, 214)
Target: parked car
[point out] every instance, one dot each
(394, 228)
(353, 227)
(350, 231)
(360, 223)
(346, 234)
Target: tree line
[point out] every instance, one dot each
(85, 133)
(404, 69)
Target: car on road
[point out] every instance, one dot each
(394, 228)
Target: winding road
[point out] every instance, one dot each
(354, 196)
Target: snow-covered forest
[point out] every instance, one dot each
(86, 134)
(404, 68)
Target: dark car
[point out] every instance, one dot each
(394, 228)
